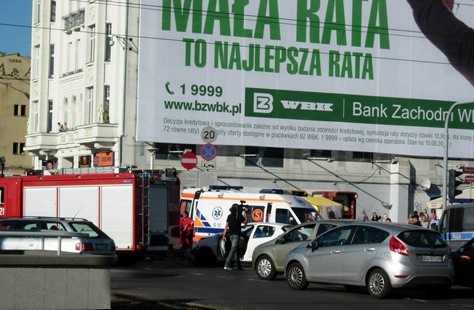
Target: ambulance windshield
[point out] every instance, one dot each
(306, 214)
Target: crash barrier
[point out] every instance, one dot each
(46, 280)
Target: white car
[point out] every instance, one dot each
(44, 233)
(213, 249)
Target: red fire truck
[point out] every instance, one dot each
(139, 210)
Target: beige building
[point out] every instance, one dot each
(14, 102)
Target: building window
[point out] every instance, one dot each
(51, 60)
(19, 110)
(50, 116)
(18, 148)
(264, 156)
(36, 61)
(89, 105)
(35, 123)
(320, 153)
(53, 11)
(78, 55)
(108, 41)
(91, 40)
(65, 115)
(70, 58)
(363, 156)
(37, 11)
(172, 151)
(105, 108)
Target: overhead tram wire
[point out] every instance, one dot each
(160, 8)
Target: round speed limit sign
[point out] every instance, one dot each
(209, 134)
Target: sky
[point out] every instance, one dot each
(15, 27)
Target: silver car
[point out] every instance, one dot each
(378, 256)
(268, 259)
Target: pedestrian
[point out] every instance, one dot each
(364, 216)
(376, 217)
(186, 229)
(234, 221)
(414, 219)
(423, 220)
(434, 222)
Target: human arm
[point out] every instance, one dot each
(225, 229)
(450, 35)
(244, 215)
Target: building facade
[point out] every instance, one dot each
(14, 102)
(83, 115)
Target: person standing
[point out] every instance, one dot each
(423, 220)
(434, 222)
(186, 229)
(375, 217)
(414, 219)
(234, 221)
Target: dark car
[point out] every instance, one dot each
(463, 260)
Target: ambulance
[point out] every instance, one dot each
(209, 208)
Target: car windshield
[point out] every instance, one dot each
(422, 239)
(306, 214)
(88, 228)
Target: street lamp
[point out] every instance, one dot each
(446, 147)
(153, 152)
(246, 158)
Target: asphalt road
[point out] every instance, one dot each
(176, 284)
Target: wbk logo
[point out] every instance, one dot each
(262, 103)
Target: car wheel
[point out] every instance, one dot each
(205, 257)
(379, 284)
(295, 277)
(265, 268)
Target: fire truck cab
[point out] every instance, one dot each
(136, 209)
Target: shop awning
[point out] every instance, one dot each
(325, 206)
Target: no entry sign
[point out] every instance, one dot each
(188, 160)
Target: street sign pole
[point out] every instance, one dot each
(446, 147)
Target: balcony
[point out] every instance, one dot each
(37, 142)
(97, 136)
(94, 136)
(74, 21)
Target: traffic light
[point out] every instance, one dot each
(453, 183)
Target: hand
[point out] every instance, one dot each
(449, 4)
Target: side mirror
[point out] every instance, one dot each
(313, 245)
(281, 240)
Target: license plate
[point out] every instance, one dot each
(102, 247)
(431, 258)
